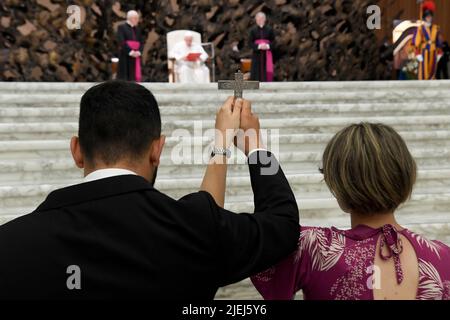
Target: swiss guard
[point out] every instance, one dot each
(427, 42)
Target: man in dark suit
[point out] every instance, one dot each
(116, 236)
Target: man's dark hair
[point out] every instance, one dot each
(118, 120)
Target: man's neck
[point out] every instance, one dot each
(374, 220)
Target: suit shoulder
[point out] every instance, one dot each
(196, 211)
(18, 221)
(23, 227)
(198, 199)
(198, 202)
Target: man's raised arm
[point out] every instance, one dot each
(250, 243)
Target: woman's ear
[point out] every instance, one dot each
(156, 150)
(76, 152)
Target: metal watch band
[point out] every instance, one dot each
(221, 152)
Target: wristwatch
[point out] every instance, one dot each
(221, 152)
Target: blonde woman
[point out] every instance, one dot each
(370, 171)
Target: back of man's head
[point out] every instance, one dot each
(118, 122)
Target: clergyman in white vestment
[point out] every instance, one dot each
(190, 71)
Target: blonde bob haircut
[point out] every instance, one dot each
(369, 169)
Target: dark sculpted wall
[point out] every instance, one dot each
(316, 39)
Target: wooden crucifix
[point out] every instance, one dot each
(238, 84)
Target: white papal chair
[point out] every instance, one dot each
(176, 36)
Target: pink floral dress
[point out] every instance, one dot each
(332, 264)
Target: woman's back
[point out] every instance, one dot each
(399, 276)
(360, 264)
(370, 171)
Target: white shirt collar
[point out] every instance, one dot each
(107, 173)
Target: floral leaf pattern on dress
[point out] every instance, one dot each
(323, 252)
(336, 264)
(352, 284)
(431, 287)
(434, 246)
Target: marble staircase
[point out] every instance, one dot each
(38, 119)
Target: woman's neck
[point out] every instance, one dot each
(375, 221)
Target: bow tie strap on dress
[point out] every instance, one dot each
(391, 239)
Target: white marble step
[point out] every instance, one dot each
(301, 125)
(53, 167)
(196, 99)
(433, 188)
(330, 203)
(54, 171)
(236, 180)
(35, 113)
(32, 194)
(308, 184)
(79, 87)
(273, 107)
(304, 185)
(313, 141)
(47, 130)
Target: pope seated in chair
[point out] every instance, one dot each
(190, 60)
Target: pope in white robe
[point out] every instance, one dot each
(190, 71)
